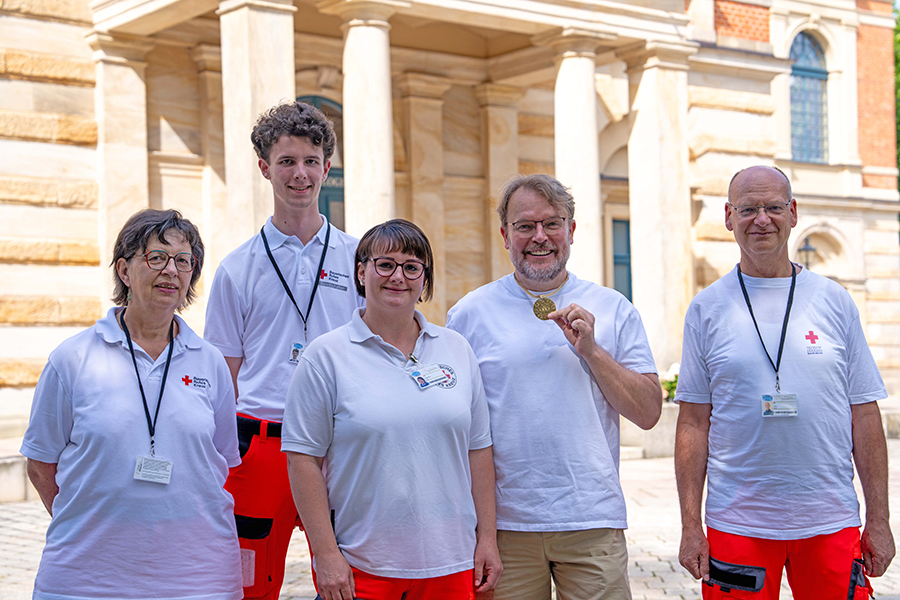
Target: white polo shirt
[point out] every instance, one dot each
(249, 315)
(556, 438)
(397, 459)
(780, 478)
(112, 536)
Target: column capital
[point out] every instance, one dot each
(362, 12)
(118, 48)
(573, 40)
(656, 54)
(227, 6)
(207, 57)
(495, 94)
(421, 85)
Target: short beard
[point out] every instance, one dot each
(543, 274)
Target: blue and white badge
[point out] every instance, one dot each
(779, 405)
(296, 352)
(153, 470)
(430, 375)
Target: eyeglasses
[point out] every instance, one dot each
(412, 269)
(550, 225)
(159, 260)
(776, 209)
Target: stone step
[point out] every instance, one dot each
(14, 483)
(631, 452)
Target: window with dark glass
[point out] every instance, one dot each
(621, 241)
(808, 107)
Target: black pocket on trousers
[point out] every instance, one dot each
(739, 577)
(252, 528)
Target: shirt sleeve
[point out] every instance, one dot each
(308, 411)
(224, 318)
(693, 377)
(865, 381)
(50, 427)
(225, 438)
(632, 347)
(480, 430)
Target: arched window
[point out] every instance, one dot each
(331, 196)
(808, 108)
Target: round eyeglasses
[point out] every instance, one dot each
(411, 269)
(159, 260)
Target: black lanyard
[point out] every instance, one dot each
(787, 314)
(151, 424)
(287, 289)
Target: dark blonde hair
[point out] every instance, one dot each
(551, 189)
(136, 234)
(396, 235)
(295, 119)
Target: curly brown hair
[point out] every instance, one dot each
(296, 119)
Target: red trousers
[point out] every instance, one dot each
(456, 586)
(264, 512)
(824, 567)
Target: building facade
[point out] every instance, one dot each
(644, 107)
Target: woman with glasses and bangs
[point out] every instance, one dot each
(131, 436)
(394, 407)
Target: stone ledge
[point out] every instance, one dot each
(75, 193)
(48, 310)
(52, 128)
(33, 66)
(712, 232)
(73, 11)
(705, 143)
(540, 125)
(14, 483)
(528, 167)
(55, 252)
(20, 372)
(702, 97)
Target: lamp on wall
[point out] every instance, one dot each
(806, 252)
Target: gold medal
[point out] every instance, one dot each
(543, 307)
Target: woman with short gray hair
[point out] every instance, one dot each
(131, 436)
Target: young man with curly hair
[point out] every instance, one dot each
(285, 286)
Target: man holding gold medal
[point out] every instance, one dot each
(561, 360)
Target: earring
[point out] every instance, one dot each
(128, 296)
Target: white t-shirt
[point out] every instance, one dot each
(397, 456)
(250, 315)
(556, 438)
(778, 477)
(112, 536)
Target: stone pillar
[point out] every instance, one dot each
(662, 268)
(212, 141)
(120, 104)
(576, 143)
(257, 41)
(368, 116)
(703, 20)
(500, 148)
(423, 105)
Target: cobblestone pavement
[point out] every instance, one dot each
(653, 539)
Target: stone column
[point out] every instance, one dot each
(703, 20)
(577, 151)
(500, 148)
(423, 105)
(662, 268)
(212, 141)
(257, 41)
(368, 116)
(120, 104)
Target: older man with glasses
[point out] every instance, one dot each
(561, 360)
(777, 390)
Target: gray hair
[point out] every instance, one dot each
(551, 189)
(136, 234)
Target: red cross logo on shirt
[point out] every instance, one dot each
(187, 380)
(323, 274)
(811, 337)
